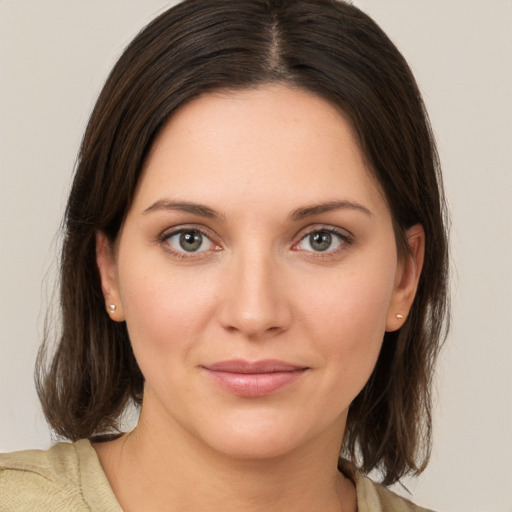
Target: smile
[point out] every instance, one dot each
(254, 379)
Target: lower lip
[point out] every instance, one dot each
(255, 384)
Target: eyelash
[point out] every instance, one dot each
(345, 239)
(184, 255)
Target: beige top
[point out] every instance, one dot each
(69, 477)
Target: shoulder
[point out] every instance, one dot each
(35, 479)
(373, 497)
(388, 500)
(49, 479)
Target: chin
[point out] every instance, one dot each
(262, 437)
(261, 447)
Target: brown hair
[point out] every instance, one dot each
(324, 46)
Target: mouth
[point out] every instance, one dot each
(254, 379)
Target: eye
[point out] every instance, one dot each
(188, 241)
(322, 240)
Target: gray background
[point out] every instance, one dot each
(54, 57)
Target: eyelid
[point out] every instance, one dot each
(346, 237)
(176, 230)
(313, 228)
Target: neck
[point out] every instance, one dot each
(163, 467)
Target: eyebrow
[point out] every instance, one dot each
(330, 206)
(296, 215)
(186, 207)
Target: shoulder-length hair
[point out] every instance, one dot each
(324, 46)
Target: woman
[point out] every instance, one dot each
(254, 252)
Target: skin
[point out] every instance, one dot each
(258, 288)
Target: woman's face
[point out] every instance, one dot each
(257, 272)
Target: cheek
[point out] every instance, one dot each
(354, 304)
(346, 318)
(166, 310)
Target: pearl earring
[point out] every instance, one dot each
(112, 308)
(399, 316)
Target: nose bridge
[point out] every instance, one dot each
(255, 301)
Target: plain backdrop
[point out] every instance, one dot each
(54, 57)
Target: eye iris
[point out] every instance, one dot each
(321, 241)
(191, 241)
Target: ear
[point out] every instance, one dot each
(407, 278)
(105, 259)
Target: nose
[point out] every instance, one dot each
(255, 297)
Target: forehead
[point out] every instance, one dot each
(273, 143)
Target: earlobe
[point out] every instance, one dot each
(105, 260)
(407, 278)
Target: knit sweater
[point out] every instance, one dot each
(69, 478)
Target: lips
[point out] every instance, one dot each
(254, 379)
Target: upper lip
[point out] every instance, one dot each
(263, 366)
